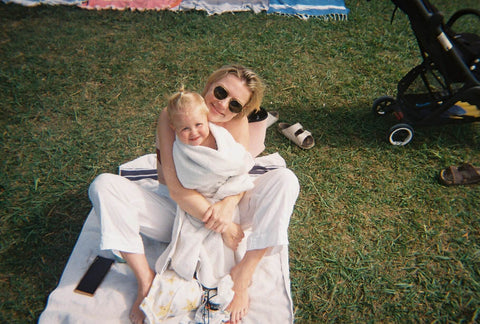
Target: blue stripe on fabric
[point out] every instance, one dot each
(308, 7)
(136, 175)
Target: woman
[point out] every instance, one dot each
(126, 210)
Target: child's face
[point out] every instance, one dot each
(192, 127)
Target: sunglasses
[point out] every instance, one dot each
(220, 93)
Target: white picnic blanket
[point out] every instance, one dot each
(270, 298)
(217, 7)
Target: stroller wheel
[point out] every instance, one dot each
(383, 105)
(400, 134)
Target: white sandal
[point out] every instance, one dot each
(272, 118)
(297, 135)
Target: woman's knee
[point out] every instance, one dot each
(287, 180)
(280, 182)
(101, 183)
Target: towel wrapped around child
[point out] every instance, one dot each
(195, 251)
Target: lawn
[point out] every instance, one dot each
(374, 236)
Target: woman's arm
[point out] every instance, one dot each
(189, 200)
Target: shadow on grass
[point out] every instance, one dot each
(33, 264)
(359, 126)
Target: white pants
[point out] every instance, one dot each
(127, 208)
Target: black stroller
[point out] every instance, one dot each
(445, 87)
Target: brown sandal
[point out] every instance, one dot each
(465, 174)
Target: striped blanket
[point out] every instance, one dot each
(327, 9)
(308, 8)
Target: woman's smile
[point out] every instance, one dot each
(217, 109)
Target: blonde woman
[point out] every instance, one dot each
(126, 210)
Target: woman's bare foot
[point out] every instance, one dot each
(238, 307)
(242, 274)
(136, 314)
(145, 275)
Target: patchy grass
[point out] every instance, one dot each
(374, 236)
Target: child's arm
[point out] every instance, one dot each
(189, 200)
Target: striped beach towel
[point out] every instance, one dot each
(327, 9)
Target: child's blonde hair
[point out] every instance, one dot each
(182, 101)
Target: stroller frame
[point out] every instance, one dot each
(449, 74)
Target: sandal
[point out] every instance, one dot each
(272, 118)
(297, 135)
(465, 174)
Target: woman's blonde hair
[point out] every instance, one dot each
(251, 79)
(182, 101)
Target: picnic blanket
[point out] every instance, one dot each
(130, 4)
(327, 9)
(32, 3)
(270, 299)
(217, 7)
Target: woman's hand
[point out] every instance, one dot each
(219, 215)
(189, 200)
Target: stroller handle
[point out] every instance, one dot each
(423, 15)
(461, 13)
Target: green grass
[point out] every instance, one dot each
(374, 236)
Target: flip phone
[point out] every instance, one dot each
(94, 276)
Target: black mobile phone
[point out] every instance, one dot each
(94, 276)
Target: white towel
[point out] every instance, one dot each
(216, 174)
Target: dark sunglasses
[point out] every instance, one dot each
(220, 93)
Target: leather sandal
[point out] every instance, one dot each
(464, 174)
